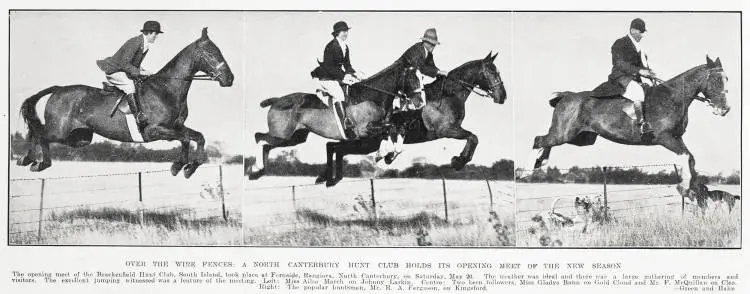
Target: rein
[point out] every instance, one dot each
(213, 76)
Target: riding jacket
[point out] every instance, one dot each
(417, 55)
(626, 62)
(335, 63)
(127, 59)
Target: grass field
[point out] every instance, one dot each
(643, 216)
(80, 207)
(408, 212)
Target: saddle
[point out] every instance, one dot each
(120, 103)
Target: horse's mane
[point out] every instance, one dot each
(665, 89)
(383, 72)
(173, 61)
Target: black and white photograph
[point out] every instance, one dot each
(605, 153)
(379, 129)
(114, 132)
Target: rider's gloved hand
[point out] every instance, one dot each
(645, 72)
(442, 73)
(145, 72)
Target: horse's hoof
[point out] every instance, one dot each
(177, 167)
(190, 169)
(39, 166)
(24, 161)
(458, 162)
(320, 179)
(389, 158)
(255, 175)
(332, 182)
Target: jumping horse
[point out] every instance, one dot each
(74, 113)
(441, 117)
(291, 118)
(579, 119)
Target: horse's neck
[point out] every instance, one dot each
(685, 87)
(462, 75)
(175, 76)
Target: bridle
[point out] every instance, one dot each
(488, 93)
(215, 68)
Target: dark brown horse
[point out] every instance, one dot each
(74, 113)
(292, 117)
(579, 119)
(441, 117)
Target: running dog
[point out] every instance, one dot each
(717, 196)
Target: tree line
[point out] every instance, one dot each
(287, 164)
(108, 151)
(633, 175)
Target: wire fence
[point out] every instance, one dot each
(41, 207)
(617, 203)
(283, 208)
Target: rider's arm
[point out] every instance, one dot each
(348, 63)
(428, 67)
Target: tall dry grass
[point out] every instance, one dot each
(119, 226)
(717, 228)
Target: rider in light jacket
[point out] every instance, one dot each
(125, 65)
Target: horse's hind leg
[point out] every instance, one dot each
(297, 137)
(46, 160)
(560, 132)
(196, 136)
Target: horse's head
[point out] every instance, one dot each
(412, 86)
(210, 61)
(490, 81)
(714, 89)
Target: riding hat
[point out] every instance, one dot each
(152, 26)
(338, 27)
(638, 24)
(430, 36)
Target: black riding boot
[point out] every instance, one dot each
(136, 109)
(346, 123)
(647, 134)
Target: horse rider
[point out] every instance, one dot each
(419, 55)
(334, 72)
(629, 66)
(125, 65)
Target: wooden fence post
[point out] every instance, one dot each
(294, 204)
(606, 206)
(676, 171)
(140, 199)
(445, 201)
(492, 202)
(372, 199)
(221, 193)
(41, 212)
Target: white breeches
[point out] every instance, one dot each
(334, 89)
(634, 92)
(122, 82)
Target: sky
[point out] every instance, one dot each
(571, 51)
(272, 54)
(286, 47)
(61, 48)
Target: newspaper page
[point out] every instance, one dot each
(373, 147)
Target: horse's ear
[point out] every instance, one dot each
(488, 57)
(204, 34)
(709, 62)
(495, 56)
(717, 63)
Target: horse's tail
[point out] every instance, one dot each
(554, 203)
(558, 96)
(268, 102)
(28, 111)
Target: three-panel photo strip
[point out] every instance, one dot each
(493, 129)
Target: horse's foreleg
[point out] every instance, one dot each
(200, 141)
(28, 158)
(686, 159)
(458, 162)
(157, 132)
